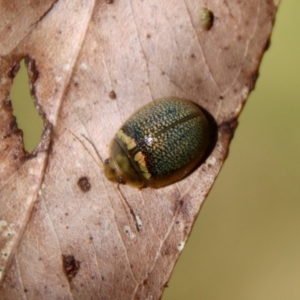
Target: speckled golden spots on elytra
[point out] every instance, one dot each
(140, 159)
(127, 140)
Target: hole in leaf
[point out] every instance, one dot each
(28, 118)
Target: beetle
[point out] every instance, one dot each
(159, 144)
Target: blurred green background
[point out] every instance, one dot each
(246, 243)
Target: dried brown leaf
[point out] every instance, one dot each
(66, 232)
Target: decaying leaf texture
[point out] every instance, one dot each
(91, 65)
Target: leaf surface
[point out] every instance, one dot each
(67, 232)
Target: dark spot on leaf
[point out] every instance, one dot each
(268, 44)
(112, 95)
(148, 36)
(109, 1)
(166, 252)
(7, 106)
(14, 70)
(177, 205)
(13, 126)
(84, 184)
(193, 55)
(199, 80)
(71, 266)
(32, 70)
(229, 127)
(239, 38)
(221, 97)
(252, 82)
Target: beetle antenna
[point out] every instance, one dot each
(135, 217)
(85, 147)
(94, 147)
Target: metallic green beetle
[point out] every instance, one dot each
(158, 145)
